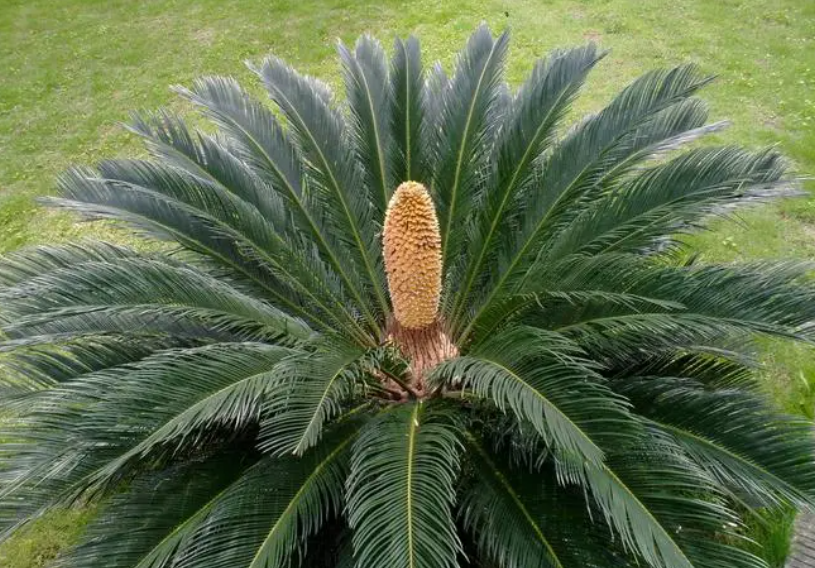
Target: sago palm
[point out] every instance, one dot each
(427, 326)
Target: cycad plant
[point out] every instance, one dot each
(428, 326)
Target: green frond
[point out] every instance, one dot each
(230, 386)
(142, 282)
(636, 123)
(572, 173)
(519, 519)
(204, 156)
(407, 87)
(262, 143)
(88, 433)
(264, 248)
(323, 139)
(436, 85)
(310, 390)
(32, 368)
(144, 525)
(18, 266)
(536, 111)
(544, 380)
(167, 203)
(715, 369)
(465, 123)
(172, 216)
(179, 323)
(664, 508)
(401, 489)
(205, 197)
(718, 304)
(744, 444)
(261, 519)
(644, 212)
(253, 132)
(170, 140)
(369, 97)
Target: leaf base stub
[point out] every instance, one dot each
(424, 348)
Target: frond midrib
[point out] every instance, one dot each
(408, 156)
(413, 426)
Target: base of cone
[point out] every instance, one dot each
(424, 348)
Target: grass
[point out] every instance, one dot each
(38, 543)
(74, 69)
(772, 533)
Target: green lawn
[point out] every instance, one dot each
(74, 69)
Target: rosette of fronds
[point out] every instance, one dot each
(504, 363)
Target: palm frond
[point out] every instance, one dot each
(714, 369)
(142, 282)
(170, 140)
(704, 305)
(189, 325)
(537, 109)
(400, 490)
(745, 445)
(544, 380)
(645, 211)
(367, 88)
(521, 520)
(409, 159)
(765, 297)
(323, 140)
(32, 368)
(168, 204)
(139, 528)
(263, 144)
(175, 216)
(264, 247)
(663, 507)
(465, 123)
(573, 170)
(88, 433)
(436, 84)
(18, 266)
(310, 390)
(253, 132)
(261, 519)
(232, 384)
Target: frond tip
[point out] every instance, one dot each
(412, 251)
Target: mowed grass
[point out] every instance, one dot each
(74, 69)
(40, 542)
